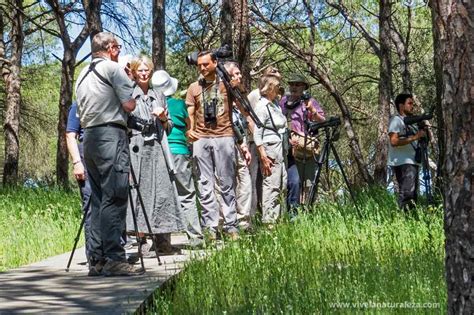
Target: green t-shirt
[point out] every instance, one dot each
(177, 138)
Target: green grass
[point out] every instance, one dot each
(36, 224)
(333, 255)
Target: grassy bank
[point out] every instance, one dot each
(332, 260)
(36, 224)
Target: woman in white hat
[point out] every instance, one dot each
(152, 162)
(177, 140)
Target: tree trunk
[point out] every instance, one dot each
(93, 20)
(242, 40)
(385, 93)
(68, 64)
(227, 24)
(13, 101)
(158, 34)
(65, 100)
(438, 69)
(455, 33)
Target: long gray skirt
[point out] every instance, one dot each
(157, 189)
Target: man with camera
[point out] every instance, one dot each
(210, 131)
(104, 97)
(402, 151)
(300, 108)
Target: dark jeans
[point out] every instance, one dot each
(107, 158)
(407, 178)
(294, 185)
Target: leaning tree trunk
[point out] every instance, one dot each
(13, 102)
(454, 26)
(158, 34)
(347, 121)
(385, 93)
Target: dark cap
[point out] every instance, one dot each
(298, 78)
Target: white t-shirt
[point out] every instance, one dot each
(404, 154)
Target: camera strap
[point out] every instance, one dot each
(92, 69)
(274, 129)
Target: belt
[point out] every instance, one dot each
(113, 125)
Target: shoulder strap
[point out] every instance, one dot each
(273, 123)
(92, 69)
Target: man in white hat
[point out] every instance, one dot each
(182, 156)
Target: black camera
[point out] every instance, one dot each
(313, 127)
(210, 111)
(417, 119)
(145, 126)
(305, 96)
(220, 53)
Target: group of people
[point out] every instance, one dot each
(139, 153)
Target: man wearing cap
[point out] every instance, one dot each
(299, 108)
(104, 97)
(177, 141)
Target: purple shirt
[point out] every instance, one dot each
(298, 114)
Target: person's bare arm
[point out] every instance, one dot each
(396, 141)
(191, 133)
(78, 167)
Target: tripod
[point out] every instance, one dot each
(133, 185)
(425, 168)
(331, 134)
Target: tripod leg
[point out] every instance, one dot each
(338, 160)
(426, 175)
(137, 235)
(78, 236)
(145, 216)
(313, 192)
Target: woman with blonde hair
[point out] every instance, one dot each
(272, 147)
(152, 162)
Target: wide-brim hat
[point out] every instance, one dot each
(161, 80)
(298, 78)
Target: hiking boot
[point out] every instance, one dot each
(121, 268)
(96, 268)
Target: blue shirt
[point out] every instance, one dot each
(73, 123)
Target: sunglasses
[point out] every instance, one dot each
(117, 46)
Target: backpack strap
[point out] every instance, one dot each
(92, 69)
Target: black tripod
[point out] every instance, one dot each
(331, 134)
(425, 168)
(133, 185)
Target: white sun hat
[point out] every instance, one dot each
(163, 81)
(124, 60)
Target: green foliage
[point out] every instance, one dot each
(36, 224)
(38, 136)
(330, 256)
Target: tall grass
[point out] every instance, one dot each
(36, 224)
(334, 259)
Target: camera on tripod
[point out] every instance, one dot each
(313, 127)
(418, 119)
(219, 53)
